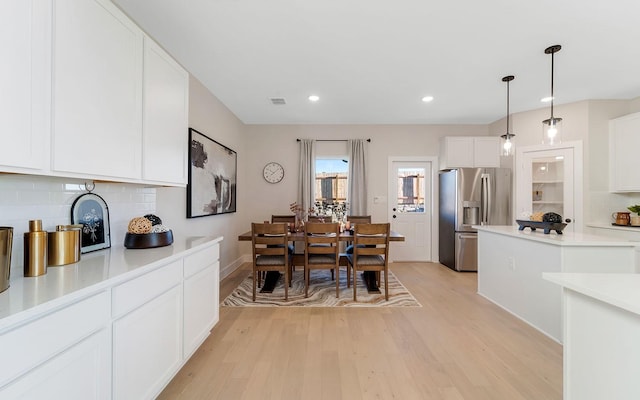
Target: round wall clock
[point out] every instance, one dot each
(273, 172)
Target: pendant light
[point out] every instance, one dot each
(507, 144)
(551, 128)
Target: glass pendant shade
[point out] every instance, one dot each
(507, 138)
(552, 127)
(552, 131)
(507, 144)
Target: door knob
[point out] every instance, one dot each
(394, 215)
(394, 209)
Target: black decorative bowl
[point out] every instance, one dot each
(147, 240)
(547, 226)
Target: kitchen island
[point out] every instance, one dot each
(117, 324)
(601, 330)
(511, 264)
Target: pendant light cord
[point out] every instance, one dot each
(552, 57)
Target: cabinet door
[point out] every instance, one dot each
(624, 163)
(80, 372)
(166, 103)
(458, 152)
(24, 133)
(147, 347)
(97, 90)
(486, 152)
(200, 306)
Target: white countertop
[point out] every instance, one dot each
(565, 239)
(93, 272)
(620, 290)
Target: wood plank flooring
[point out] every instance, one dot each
(457, 346)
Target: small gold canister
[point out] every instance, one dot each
(64, 245)
(35, 250)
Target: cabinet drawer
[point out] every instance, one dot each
(196, 262)
(138, 291)
(34, 343)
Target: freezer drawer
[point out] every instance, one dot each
(466, 251)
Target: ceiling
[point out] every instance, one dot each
(371, 61)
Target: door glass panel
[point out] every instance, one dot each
(411, 190)
(547, 185)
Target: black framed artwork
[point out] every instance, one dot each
(211, 188)
(91, 211)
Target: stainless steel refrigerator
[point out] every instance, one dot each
(470, 196)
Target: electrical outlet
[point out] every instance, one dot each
(512, 263)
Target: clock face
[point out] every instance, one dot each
(273, 172)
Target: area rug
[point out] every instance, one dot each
(322, 293)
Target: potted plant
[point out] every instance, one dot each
(635, 220)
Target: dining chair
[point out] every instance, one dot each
(318, 218)
(371, 252)
(355, 220)
(321, 251)
(288, 220)
(270, 253)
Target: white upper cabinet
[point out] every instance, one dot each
(464, 151)
(24, 134)
(97, 90)
(624, 163)
(166, 111)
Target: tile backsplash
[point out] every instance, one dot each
(25, 197)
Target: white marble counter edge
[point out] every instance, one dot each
(12, 318)
(565, 239)
(619, 290)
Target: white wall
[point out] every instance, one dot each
(278, 143)
(210, 117)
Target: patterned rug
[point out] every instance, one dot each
(322, 293)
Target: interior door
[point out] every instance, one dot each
(550, 181)
(411, 209)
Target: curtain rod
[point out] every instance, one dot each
(332, 140)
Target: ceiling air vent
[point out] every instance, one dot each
(278, 101)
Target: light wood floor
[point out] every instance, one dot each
(457, 346)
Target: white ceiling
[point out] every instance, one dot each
(371, 61)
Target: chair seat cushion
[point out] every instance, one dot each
(367, 260)
(322, 258)
(349, 249)
(269, 260)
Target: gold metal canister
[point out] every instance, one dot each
(63, 245)
(35, 250)
(6, 241)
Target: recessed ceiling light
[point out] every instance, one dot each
(427, 99)
(546, 99)
(314, 98)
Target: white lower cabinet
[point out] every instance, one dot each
(65, 354)
(147, 347)
(126, 340)
(200, 307)
(80, 372)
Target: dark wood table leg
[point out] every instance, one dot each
(369, 278)
(270, 281)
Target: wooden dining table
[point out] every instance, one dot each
(298, 259)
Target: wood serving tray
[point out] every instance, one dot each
(547, 226)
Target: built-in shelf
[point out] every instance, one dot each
(546, 182)
(548, 202)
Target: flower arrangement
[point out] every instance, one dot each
(300, 214)
(336, 211)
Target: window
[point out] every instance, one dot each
(331, 181)
(411, 190)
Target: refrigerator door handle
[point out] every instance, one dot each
(486, 198)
